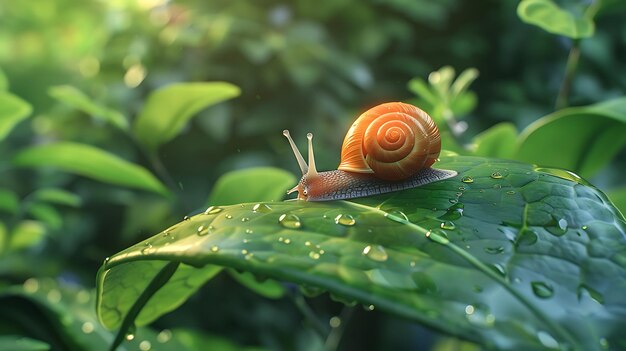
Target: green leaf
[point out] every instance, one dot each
(58, 196)
(26, 234)
(169, 109)
(75, 98)
(46, 214)
(548, 16)
(200, 341)
(12, 111)
(4, 82)
(20, 343)
(268, 288)
(581, 139)
(504, 254)
(63, 316)
(9, 201)
(252, 184)
(90, 162)
(497, 141)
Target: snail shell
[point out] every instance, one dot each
(392, 141)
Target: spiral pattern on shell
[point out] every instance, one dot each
(392, 140)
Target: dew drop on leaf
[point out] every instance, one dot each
(148, 249)
(527, 237)
(245, 219)
(345, 219)
(510, 192)
(249, 231)
(584, 289)
(31, 285)
(547, 340)
(454, 212)
(498, 268)
(229, 216)
(213, 210)
(448, 225)
(145, 345)
(397, 216)
(375, 253)
(186, 218)
(496, 175)
(334, 322)
(494, 250)
(263, 208)
(164, 336)
(87, 328)
(215, 248)
(467, 179)
(479, 315)
(584, 227)
(542, 290)
(290, 221)
(438, 236)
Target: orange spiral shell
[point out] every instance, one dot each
(392, 140)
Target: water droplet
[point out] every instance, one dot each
(462, 188)
(145, 345)
(547, 340)
(228, 216)
(249, 256)
(261, 208)
(245, 219)
(334, 322)
(307, 243)
(497, 186)
(245, 241)
(559, 228)
(31, 285)
(412, 264)
(287, 241)
(510, 192)
(148, 249)
(584, 227)
(498, 268)
(215, 248)
(249, 231)
(164, 336)
(496, 175)
(369, 308)
(186, 218)
(314, 255)
(454, 212)
(129, 336)
(479, 314)
(438, 236)
(467, 179)
(604, 343)
(594, 294)
(345, 219)
(453, 201)
(290, 221)
(542, 290)
(375, 253)
(201, 229)
(87, 328)
(448, 225)
(494, 250)
(244, 252)
(527, 237)
(397, 216)
(213, 210)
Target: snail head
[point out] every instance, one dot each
(309, 172)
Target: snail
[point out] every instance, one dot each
(390, 147)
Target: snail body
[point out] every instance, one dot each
(388, 148)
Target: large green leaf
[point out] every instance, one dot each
(252, 184)
(78, 100)
(505, 254)
(12, 111)
(581, 139)
(497, 141)
(90, 162)
(4, 82)
(548, 16)
(168, 109)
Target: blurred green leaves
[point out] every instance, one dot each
(548, 16)
(497, 141)
(12, 111)
(75, 98)
(90, 162)
(168, 109)
(4, 82)
(252, 184)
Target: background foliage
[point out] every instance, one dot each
(86, 174)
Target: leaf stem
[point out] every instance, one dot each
(570, 70)
(308, 314)
(335, 335)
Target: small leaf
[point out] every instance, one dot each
(8, 201)
(548, 16)
(582, 139)
(90, 162)
(4, 82)
(21, 343)
(57, 196)
(46, 214)
(26, 234)
(268, 288)
(497, 141)
(78, 100)
(419, 87)
(12, 111)
(252, 184)
(169, 109)
(463, 81)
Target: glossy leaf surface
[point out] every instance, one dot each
(169, 109)
(581, 139)
(12, 111)
(504, 254)
(90, 162)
